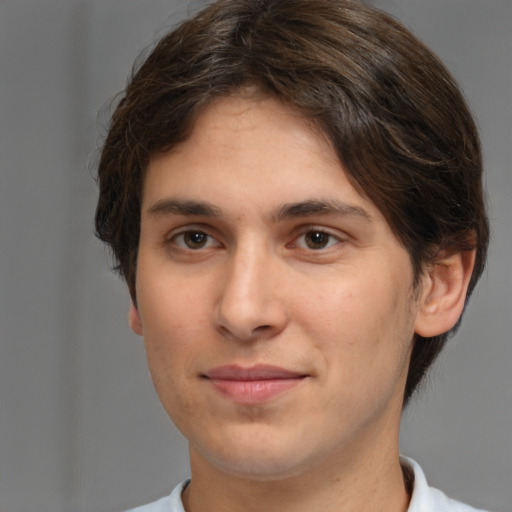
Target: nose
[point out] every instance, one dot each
(251, 303)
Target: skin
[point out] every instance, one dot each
(229, 274)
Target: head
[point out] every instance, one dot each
(390, 110)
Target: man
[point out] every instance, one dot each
(292, 191)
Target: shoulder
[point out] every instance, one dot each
(171, 503)
(429, 499)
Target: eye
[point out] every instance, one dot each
(194, 240)
(316, 239)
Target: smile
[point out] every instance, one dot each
(253, 385)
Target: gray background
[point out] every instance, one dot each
(80, 426)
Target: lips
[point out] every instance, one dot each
(253, 385)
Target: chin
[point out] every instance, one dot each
(261, 468)
(255, 456)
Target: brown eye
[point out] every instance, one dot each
(317, 239)
(194, 240)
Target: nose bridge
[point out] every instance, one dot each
(249, 304)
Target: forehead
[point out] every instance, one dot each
(249, 122)
(252, 154)
(249, 133)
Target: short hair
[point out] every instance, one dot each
(394, 115)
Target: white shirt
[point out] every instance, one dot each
(423, 499)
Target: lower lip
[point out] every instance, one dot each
(254, 391)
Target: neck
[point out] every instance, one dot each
(340, 484)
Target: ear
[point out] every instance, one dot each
(134, 319)
(443, 293)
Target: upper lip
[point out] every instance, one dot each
(257, 372)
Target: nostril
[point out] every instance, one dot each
(263, 328)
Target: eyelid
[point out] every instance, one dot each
(304, 230)
(212, 233)
(185, 227)
(171, 236)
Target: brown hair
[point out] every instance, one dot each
(393, 113)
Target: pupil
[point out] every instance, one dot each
(316, 239)
(195, 239)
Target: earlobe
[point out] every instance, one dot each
(444, 292)
(134, 319)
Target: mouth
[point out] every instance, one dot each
(253, 385)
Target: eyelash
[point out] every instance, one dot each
(331, 239)
(182, 236)
(182, 239)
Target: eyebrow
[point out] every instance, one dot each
(307, 208)
(184, 207)
(314, 207)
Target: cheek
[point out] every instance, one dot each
(174, 332)
(171, 308)
(362, 328)
(346, 310)
(171, 350)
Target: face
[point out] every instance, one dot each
(276, 305)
